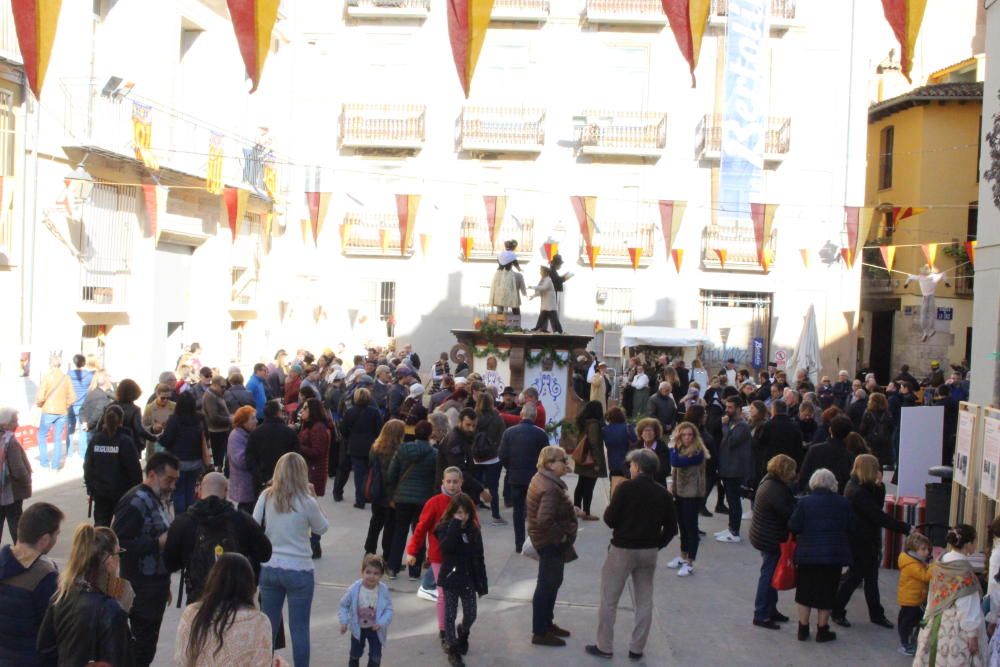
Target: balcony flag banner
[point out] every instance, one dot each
(317, 203)
(585, 208)
(930, 252)
(253, 21)
(236, 208)
(213, 175)
(678, 255)
(142, 136)
(970, 250)
(904, 17)
(635, 255)
(155, 199)
(406, 210)
(466, 244)
(495, 207)
(467, 24)
(888, 255)
(671, 215)
(271, 181)
(744, 104)
(688, 19)
(763, 220)
(35, 22)
(858, 221)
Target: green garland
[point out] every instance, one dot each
(491, 350)
(568, 427)
(545, 353)
(492, 330)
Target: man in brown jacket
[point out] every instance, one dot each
(552, 529)
(55, 397)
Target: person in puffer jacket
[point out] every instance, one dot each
(110, 467)
(773, 506)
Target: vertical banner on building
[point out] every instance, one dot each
(236, 208)
(757, 353)
(142, 136)
(213, 176)
(744, 112)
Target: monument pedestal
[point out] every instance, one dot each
(542, 361)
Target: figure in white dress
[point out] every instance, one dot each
(508, 284)
(928, 280)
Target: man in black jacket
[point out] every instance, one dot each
(642, 520)
(455, 449)
(663, 407)
(842, 390)
(520, 446)
(208, 525)
(832, 455)
(781, 435)
(271, 440)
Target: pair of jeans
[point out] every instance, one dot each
(184, 493)
(488, 474)
(519, 498)
(12, 515)
(73, 425)
(407, 515)
(297, 585)
(766, 602)
(382, 521)
(583, 494)
(735, 502)
(49, 422)
(146, 616)
(864, 568)
(908, 623)
(687, 520)
(374, 646)
(359, 466)
(429, 581)
(550, 577)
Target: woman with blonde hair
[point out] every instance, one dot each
(867, 497)
(383, 449)
(773, 506)
(687, 460)
(87, 619)
(288, 513)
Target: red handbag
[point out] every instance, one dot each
(783, 578)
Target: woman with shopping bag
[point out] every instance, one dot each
(773, 507)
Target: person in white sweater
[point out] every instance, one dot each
(288, 513)
(548, 313)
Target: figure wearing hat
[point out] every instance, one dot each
(928, 280)
(558, 280)
(508, 285)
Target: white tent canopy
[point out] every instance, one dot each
(633, 336)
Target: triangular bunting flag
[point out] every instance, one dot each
(236, 208)
(635, 254)
(766, 259)
(383, 239)
(425, 243)
(35, 22)
(467, 24)
(495, 207)
(722, 253)
(902, 213)
(671, 215)
(678, 255)
(253, 21)
(317, 203)
(930, 252)
(551, 249)
(858, 221)
(688, 19)
(763, 220)
(155, 199)
(804, 252)
(905, 16)
(592, 253)
(888, 255)
(466, 243)
(213, 175)
(970, 250)
(848, 257)
(585, 209)
(406, 210)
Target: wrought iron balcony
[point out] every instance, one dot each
(372, 235)
(243, 296)
(382, 126)
(781, 19)
(502, 129)
(875, 284)
(521, 230)
(388, 9)
(10, 50)
(740, 244)
(624, 133)
(615, 239)
(633, 12)
(531, 11)
(776, 141)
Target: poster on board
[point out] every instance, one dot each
(920, 430)
(963, 446)
(991, 457)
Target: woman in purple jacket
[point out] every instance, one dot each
(240, 477)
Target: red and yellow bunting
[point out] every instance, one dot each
(766, 259)
(585, 209)
(905, 16)
(888, 255)
(804, 252)
(903, 212)
(930, 252)
(551, 249)
(635, 255)
(35, 22)
(253, 21)
(593, 252)
(317, 203)
(671, 215)
(406, 211)
(722, 254)
(495, 208)
(688, 19)
(142, 136)
(970, 250)
(763, 221)
(858, 221)
(848, 257)
(678, 255)
(467, 24)
(154, 197)
(466, 243)
(425, 244)
(236, 208)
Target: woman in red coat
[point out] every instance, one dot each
(314, 443)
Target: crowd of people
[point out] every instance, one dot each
(221, 480)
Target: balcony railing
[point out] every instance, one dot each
(373, 234)
(110, 218)
(244, 291)
(392, 126)
(641, 12)
(639, 133)
(964, 281)
(776, 140)
(521, 230)
(740, 244)
(781, 19)
(10, 50)
(534, 11)
(614, 241)
(388, 9)
(876, 285)
(179, 142)
(502, 129)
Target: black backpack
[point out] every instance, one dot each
(483, 448)
(211, 540)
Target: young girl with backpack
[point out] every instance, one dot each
(462, 574)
